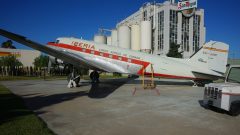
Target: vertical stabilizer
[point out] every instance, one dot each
(213, 56)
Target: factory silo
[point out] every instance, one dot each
(124, 37)
(146, 36)
(100, 39)
(114, 36)
(109, 40)
(135, 37)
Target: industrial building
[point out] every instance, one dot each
(26, 57)
(155, 26)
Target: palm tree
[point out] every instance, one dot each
(8, 44)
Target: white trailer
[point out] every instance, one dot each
(225, 95)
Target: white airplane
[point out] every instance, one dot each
(208, 64)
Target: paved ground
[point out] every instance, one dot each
(109, 108)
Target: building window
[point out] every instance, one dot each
(145, 15)
(160, 30)
(173, 27)
(185, 33)
(153, 34)
(196, 32)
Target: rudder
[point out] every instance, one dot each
(213, 56)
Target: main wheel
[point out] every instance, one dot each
(94, 76)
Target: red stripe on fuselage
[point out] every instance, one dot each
(122, 58)
(171, 76)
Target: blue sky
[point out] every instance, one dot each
(45, 20)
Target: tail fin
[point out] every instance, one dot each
(213, 56)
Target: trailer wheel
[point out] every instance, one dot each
(235, 108)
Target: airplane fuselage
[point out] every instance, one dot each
(129, 61)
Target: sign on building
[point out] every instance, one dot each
(188, 7)
(185, 5)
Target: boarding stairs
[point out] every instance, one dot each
(147, 83)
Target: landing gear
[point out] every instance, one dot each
(94, 76)
(73, 79)
(201, 83)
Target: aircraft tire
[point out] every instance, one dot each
(94, 76)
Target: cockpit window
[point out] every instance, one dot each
(57, 41)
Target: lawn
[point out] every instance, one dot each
(12, 78)
(16, 119)
(49, 78)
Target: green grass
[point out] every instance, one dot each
(49, 78)
(16, 119)
(14, 78)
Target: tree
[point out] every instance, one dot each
(173, 51)
(10, 61)
(8, 44)
(41, 61)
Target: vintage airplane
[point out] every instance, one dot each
(208, 64)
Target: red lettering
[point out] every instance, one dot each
(75, 44)
(80, 45)
(180, 6)
(83, 45)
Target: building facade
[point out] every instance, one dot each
(169, 25)
(26, 57)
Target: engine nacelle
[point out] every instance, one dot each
(55, 60)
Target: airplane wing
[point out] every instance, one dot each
(76, 60)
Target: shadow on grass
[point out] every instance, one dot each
(11, 106)
(15, 118)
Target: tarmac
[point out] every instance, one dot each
(110, 108)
